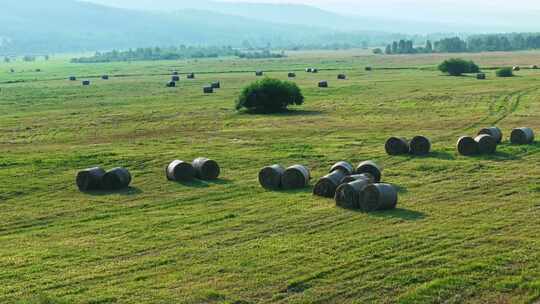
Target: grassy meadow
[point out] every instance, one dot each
(465, 231)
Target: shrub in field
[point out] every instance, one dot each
(269, 95)
(457, 67)
(504, 72)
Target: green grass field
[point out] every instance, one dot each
(466, 229)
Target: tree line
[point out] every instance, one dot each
(473, 43)
(173, 53)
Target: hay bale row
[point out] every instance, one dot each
(323, 84)
(467, 146)
(98, 179)
(378, 197)
(276, 177)
(370, 167)
(270, 177)
(327, 185)
(522, 136)
(179, 171)
(295, 177)
(487, 144)
(364, 192)
(493, 131)
(348, 194)
(201, 168)
(341, 175)
(419, 145)
(206, 169)
(397, 146)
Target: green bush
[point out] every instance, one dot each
(457, 67)
(504, 72)
(269, 95)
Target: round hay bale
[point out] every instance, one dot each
(309, 70)
(493, 131)
(208, 90)
(348, 195)
(190, 76)
(420, 145)
(179, 170)
(291, 75)
(341, 76)
(397, 146)
(206, 169)
(171, 84)
(216, 85)
(295, 177)
(314, 70)
(72, 78)
(351, 178)
(344, 166)
(270, 177)
(323, 84)
(327, 185)
(175, 72)
(105, 77)
(481, 76)
(487, 144)
(534, 67)
(175, 78)
(376, 197)
(522, 136)
(259, 73)
(467, 146)
(372, 168)
(368, 68)
(86, 82)
(516, 68)
(116, 179)
(90, 179)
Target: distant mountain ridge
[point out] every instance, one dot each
(36, 26)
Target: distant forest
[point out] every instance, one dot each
(174, 53)
(474, 43)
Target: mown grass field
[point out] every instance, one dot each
(466, 229)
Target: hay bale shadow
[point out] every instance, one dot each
(400, 213)
(129, 191)
(198, 183)
(439, 155)
(284, 113)
(497, 156)
(400, 189)
(307, 190)
(220, 181)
